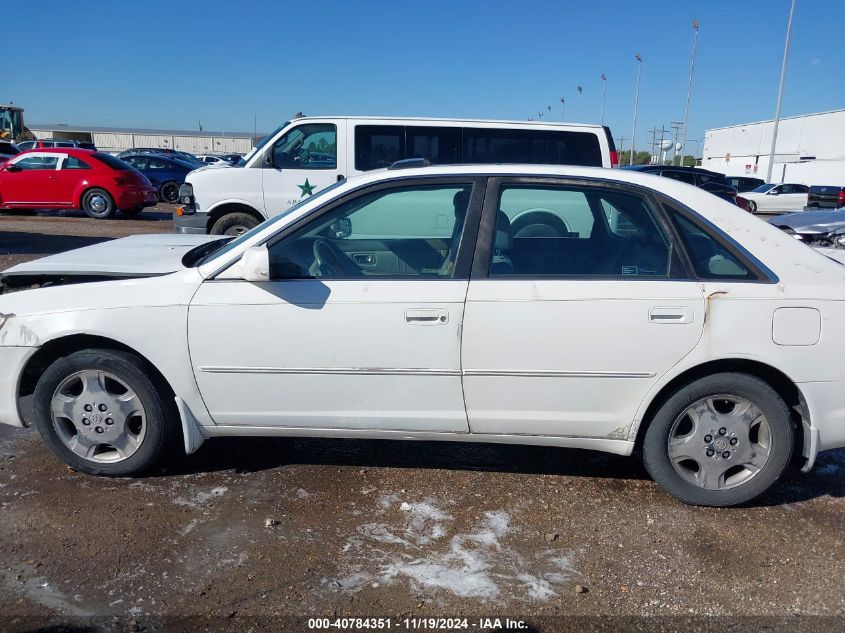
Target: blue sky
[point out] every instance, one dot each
(172, 63)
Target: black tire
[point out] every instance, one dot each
(132, 212)
(234, 224)
(752, 206)
(169, 192)
(781, 440)
(98, 204)
(161, 420)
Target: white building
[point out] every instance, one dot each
(111, 139)
(810, 149)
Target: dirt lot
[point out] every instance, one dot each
(251, 534)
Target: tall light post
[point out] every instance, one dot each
(780, 94)
(603, 96)
(689, 91)
(639, 58)
(562, 109)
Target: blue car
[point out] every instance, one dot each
(166, 173)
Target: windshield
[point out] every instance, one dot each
(225, 247)
(261, 144)
(762, 189)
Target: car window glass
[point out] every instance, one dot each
(438, 145)
(549, 147)
(800, 189)
(405, 232)
(310, 146)
(72, 162)
(155, 163)
(578, 232)
(711, 259)
(378, 146)
(785, 189)
(679, 175)
(35, 163)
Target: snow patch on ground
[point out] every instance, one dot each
(425, 551)
(201, 497)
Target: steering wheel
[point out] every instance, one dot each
(328, 260)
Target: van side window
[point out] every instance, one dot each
(309, 146)
(378, 146)
(539, 147)
(438, 145)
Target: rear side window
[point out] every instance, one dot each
(711, 259)
(72, 162)
(543, 147)
(378, 146)
(679, 175)
(438, 145)
(112, 161)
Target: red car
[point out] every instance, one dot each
(70, 178)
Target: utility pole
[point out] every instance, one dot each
(780, 93)
(562, 109)
(677, 126)
(603, 96)
(639, 58)
(654, 132)
(621, 140)
(689, 87)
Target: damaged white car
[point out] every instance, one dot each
(559, 306)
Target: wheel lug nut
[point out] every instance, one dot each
(99, 429)
(708, 438)
(88, 407)
(109, 421)
(726, 454)
(722, 431)
(734, 441)
(710, 452)
(102, 407)
(85, 421)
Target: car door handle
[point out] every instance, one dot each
(432, 316)
(670, 314)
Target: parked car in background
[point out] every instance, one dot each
(710, 181)
(826, 197)
(744, 183)
(460, 320)
(7, 150)
(44, 143)
(208, 159)
(187, 156)
(818, 228)
(308, 154)
(770, 198)
(743, 203)
(71, 178)
(232, 159)
(165, 172)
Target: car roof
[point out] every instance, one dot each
(696, 170)
(400, 119)
(72, 151)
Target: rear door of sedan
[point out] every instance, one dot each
(579, 301)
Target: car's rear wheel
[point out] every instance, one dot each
(133, 211)
(169, 192)
(721, 440)
(101, 413)
(752, 206)
(234, 224)
(98, 204)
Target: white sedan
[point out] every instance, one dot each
(213, 161)
(771, 198)
(559, 306)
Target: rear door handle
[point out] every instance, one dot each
(426, 316)
(670, 314)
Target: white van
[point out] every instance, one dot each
(307, 154)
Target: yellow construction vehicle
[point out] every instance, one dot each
(11, 124)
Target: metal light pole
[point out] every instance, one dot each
(603, 96)
(780, 94)
(639, 58)
(689, 91)
(562, 109)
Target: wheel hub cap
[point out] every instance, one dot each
(98, 203)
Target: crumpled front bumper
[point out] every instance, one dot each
(12, 362)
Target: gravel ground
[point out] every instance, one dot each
(251, 534)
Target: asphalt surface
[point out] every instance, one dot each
(252, 534)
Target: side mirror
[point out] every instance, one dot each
(774, 192)
(268, 159)
(255, 264)
(13, 168)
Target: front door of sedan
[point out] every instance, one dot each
(789, 197)
(359, 326)
(30, 180)
(578, 304)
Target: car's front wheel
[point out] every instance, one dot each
(101, 413)
(169, 192)
(752, 206)
(721, 440)
(98, 204)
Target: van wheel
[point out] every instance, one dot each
(98, 204)
(234, 224)
(721, 440)
(100, 413)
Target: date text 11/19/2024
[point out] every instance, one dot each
(416, 624)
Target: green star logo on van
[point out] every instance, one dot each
(307, 189)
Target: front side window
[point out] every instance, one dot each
(38, 163)
(405, 232)
(309, 146)
(378, 146)
(711, 259)
(579, 232)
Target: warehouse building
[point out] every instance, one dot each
(111, 139)
(810, 149)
